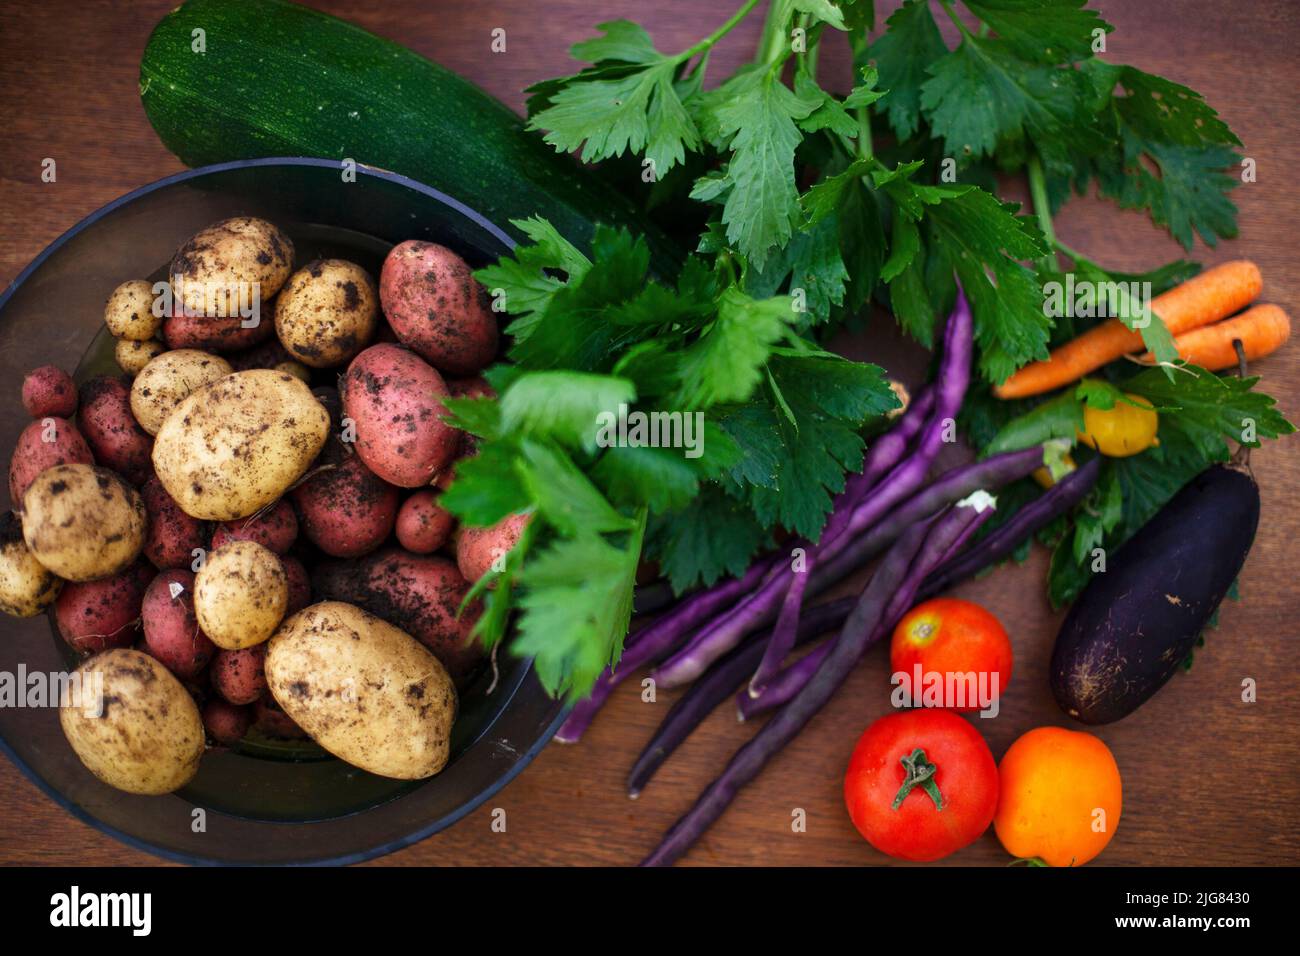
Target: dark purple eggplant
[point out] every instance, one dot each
(1135, 623)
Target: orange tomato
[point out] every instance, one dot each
(950, 636)
(1060, 797)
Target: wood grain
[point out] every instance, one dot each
(1208, 779)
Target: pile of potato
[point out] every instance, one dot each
(229, 547)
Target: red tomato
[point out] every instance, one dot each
(921, 784)
(949, 636)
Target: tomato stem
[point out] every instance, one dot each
(920, 773)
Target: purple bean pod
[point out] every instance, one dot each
(992, 474)
(716, 685)
(1000, 543)
(788, 682)
(919, 543)
(880, 458)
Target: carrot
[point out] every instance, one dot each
(1213, 295)
(1262, 330)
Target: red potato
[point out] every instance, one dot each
(478, 548)
(110, 429)
(93, 616)
(423, 526)
(43, 444)
(173, 535)
(171, 628)
(274, 528)
(274, 722)
(419, 594)
(394, 399)
(436, 307)
(218, 333)
(346, 510)
(240, 675)
(49, 390)
(299, 584)
(225, 723)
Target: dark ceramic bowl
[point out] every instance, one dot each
(266, 802)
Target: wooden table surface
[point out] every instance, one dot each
(1208, 779)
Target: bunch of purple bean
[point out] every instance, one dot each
(735, 636)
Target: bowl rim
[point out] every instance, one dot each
(441, 822)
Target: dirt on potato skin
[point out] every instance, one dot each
(418, 594)
(436, 307)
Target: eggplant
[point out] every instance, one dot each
(1135, 623)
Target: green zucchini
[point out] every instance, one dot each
(278, 79)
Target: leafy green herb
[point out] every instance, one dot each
(802, 209)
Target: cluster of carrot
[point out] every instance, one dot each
(1201, 316)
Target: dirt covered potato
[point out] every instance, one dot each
(423, 525)
(299, 584)
(218, 333)
(239, 444)
(226, 723)
(327, 312)
(44, 444)
(346, 510)
(240, 675)
(215, 271)
(171, 626)
(478, 549)
(26, 587)
(93, 616)
(133, 356)
(173, 535)
(240, 594)
(395, 400)
(166, 381)
(129, 311)
(274, 528)
(437, 307)
(83, 522)
(146, 735)
(49, 390)
(418, 594)
(110, 429)
(364, 690)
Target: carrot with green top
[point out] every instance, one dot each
(1213, 295)
(1262, 331)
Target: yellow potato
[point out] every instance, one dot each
(26, 586)
(129, 311)
(327, 312)
(82, 522)
(139, 730)
(296, 369)
(166, 380)
(240, 594)
(218, 271)
(238, 444)
(133, 356)
(365, 691)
